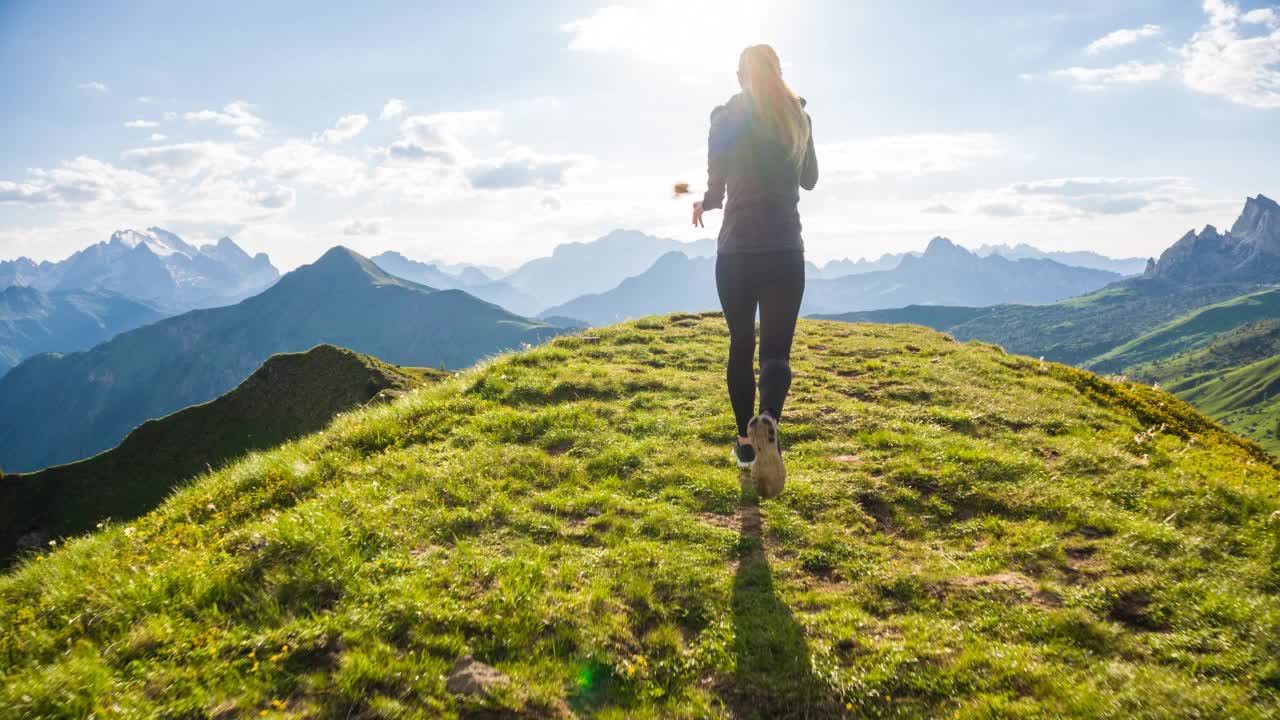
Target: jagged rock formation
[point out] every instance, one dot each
(1249, 251)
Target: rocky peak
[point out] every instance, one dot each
(1250, 251)
(941, 247)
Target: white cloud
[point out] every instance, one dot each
(1236, 55)
(141, 124)
(186, 160)
(521, 168)
(237, 115)
(393, 108)
(357, 228)
(303, 162)
(1130, 73)
(94, 86)
(83, 181)
(159, 137)
(412, 151)
(444, 133)
(1121, 38)
(14, 192)
(906, 156)
(277, 198)
(1074, 198)
(347, 127)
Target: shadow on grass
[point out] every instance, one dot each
(774, 677)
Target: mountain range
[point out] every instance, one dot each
(947, 274)
(134, 278)
(944, 273)
(1075, 258)
(468, 278)
(59, 408)
(152, 265)
(575, 269)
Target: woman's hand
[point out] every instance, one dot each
(697, 214)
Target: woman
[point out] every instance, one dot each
(761, 148)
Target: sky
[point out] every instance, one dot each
(490, 132)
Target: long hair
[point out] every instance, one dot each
(776, 104)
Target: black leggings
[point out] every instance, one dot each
(775, 282)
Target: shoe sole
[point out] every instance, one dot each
(741, 465)
(768, 472)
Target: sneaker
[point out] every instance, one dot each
(744, 455)
(768, 472)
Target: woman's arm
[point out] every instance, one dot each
(809, 170)
(717, 148)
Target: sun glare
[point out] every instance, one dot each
(675, 34)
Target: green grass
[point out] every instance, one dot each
(965, 533)
(1191, 331)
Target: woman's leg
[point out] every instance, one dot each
(781, 288)
(738, 300)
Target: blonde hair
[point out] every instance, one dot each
(780, 108)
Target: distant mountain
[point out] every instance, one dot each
(292, 394)
(944, 274)
(469, 278)
(24, 272)
(469, 272)
(674, 283)
(841, 268)
(947, 274)
(1199, 270)
(1249, 251)
(1074, 258)
(55, 409)
(154, 266)
(576, 269)
(33, 321)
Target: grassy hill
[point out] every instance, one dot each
(1196, 329)
(291, 395)
(965, 534)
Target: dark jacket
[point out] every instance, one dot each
(763, 182)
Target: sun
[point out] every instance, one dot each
(691, 36)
